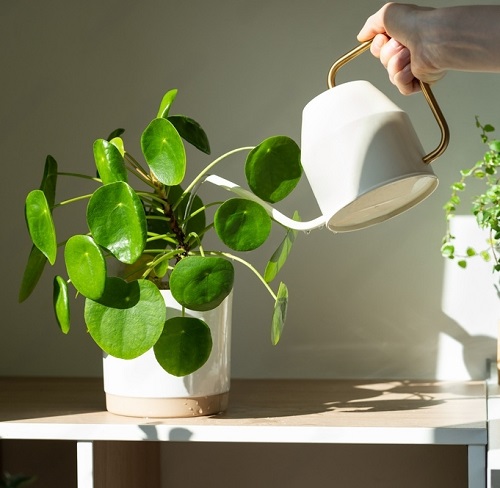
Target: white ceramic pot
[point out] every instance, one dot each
(142, 388)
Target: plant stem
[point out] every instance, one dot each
(248, 265)
(72, 200)
(207, 169)
(152, 196)
(79, 175)
(136, 165)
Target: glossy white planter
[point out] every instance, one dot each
(142, 388)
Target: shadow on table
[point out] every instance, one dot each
(282, 398)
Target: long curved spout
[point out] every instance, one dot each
(275, 214)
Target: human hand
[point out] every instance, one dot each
(397, 41)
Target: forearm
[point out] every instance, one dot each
(465, 38)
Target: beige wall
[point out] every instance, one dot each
(362, 304)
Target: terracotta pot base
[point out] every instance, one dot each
(167, 407)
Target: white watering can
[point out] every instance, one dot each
(361, 156)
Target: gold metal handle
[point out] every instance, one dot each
(426, 90)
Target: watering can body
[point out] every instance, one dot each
(362, 157)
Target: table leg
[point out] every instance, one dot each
(477, 466)
(85, 464)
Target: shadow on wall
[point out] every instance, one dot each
(367, 305)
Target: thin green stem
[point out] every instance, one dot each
(72, 200)
(138, 174)
(160, 237)
(247, 264)
(207, 169)
(79, 175)
(135, 164)
(152, 196)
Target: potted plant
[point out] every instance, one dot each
(155, 228)
(485, 205)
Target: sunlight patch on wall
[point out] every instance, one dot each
(470, 299)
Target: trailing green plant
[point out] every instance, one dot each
(156, 229)
(485, 206)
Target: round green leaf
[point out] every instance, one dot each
(61, 304)
(191, 131)
(241, 224)
(116, 218)
(273, 168)
(201, 283)
(184, 345)
(86, 266)
(279, 314)
(128, 318)
(40, 224)
(109, 162)
(164, 151)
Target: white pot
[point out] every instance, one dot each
(142, 388)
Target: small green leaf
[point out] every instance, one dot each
(61, 304)
(191, 131)
(109, 162)
(201, 283)
(49, 180)
(184, 345)
(458, 186)
(161, 269)
(470, 252)
(116, 218)
(241, 224)
(40, 224)
(128, 319)
(281, 254)
(486, 256)
(118, 143)
(115, 133)
(32, 273)
(164, 152)
(488, 128)
(86, 266)
(166, 103)
(495, 145)
(279, 315)
(273, 168)
(462, 263)
(448, 251)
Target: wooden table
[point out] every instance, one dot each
(275, 411)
